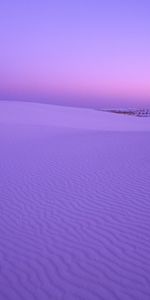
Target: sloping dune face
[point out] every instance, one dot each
(74, 204)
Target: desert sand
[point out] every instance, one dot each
(74, 204)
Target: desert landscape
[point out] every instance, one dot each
(74, 202)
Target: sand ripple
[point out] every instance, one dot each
(75, 215)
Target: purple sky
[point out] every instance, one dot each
(82, 52)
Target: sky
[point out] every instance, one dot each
(75, 52)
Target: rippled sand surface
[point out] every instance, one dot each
(74, 204)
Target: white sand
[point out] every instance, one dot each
(61, 116)
(74, 204)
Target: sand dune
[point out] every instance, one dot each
(70, 117)
(74, 204)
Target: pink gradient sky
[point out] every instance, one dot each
(89, 52)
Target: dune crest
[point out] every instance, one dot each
(70, 117)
